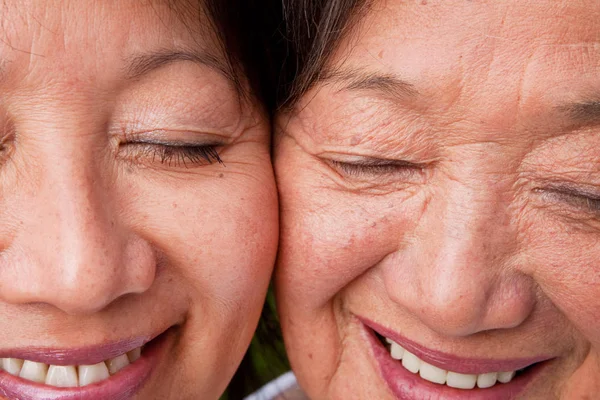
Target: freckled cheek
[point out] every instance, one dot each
(573, 290)
(220, 234)
(242, 241)
(567, 268)
(331, 238)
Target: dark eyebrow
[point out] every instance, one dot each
(384, 85)
(142, 64)
(582, 113)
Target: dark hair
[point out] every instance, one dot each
(312, 30)
(250, 33)
(280, 47)
(247, 30)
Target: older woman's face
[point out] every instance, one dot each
(137, 203)
(441, 188)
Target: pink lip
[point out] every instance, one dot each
(82, 356)
(451, 362)
(121, 386)
(408, 386)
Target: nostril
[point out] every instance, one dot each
(80, 284)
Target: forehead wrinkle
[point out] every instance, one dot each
(173, 26)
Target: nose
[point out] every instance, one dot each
(72, 249)
(459, 273)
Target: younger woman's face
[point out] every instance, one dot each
(440, 187)
(137, 202)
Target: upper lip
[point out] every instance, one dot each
(450, 362)
(80, 356)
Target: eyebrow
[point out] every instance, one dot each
(382, 85)
(142, 64)
(583, 112)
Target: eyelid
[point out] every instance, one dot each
(580, 198)
(368, 160)
(383, 163)
(370, 166)
(175, 143)
(172, 147)
(175, 137)
(174, 155)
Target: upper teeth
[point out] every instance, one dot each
(437, 375)
(68, 375)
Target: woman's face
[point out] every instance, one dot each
(440, 187)
(137, 201)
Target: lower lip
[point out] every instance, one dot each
(408, 386)
(121, 386)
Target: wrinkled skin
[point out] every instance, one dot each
(480, 236)
(106, 238)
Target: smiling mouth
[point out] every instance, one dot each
(414, 372)
(79, 374)
(65, 376)
(452, 379)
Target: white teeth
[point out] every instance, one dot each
(12, 365)
(68, 376)
(34, 371)
(397, 351)
(506, 377)
(134, 354)
(62, 376)
(485, 381)
(440, 376)
(461, 381)
(411, 362)
(432, 373)
(89, 374)
(118, 363)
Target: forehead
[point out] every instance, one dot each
(87, 36)
(472, 28)
(498, 52)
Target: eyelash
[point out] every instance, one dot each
(579, 200)
(178, 155)
(369, 170)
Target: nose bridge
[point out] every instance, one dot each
(463, 244)
(88, 246)
(475, 227)
(461, 268)
(78, 256)
(462, 249)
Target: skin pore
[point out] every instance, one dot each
(440, 182)
(137, 197)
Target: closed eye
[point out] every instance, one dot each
(174, 154)
(376, 167)
(580, 199)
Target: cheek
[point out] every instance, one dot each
(567, 268)
(218, 232)
(329, 237)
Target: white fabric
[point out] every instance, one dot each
(274, 388)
